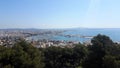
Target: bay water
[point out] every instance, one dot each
(113, 33)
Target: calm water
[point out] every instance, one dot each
(114, 34)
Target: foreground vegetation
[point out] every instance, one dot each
(103, 53)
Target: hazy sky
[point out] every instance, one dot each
(59, 13)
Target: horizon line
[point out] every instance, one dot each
(66, 28)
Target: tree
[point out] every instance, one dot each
(6, 57)
(94, 59)
(103, 53)
(109, 62)
(21, 55)
(57, 57)
(27, 56)
(79, 54)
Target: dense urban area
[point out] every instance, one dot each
(8, 37)
(17, 51)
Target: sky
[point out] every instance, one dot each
(59, 14)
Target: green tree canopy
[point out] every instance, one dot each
(21, 55)
(102, 49)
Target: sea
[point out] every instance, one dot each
(113, 33)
